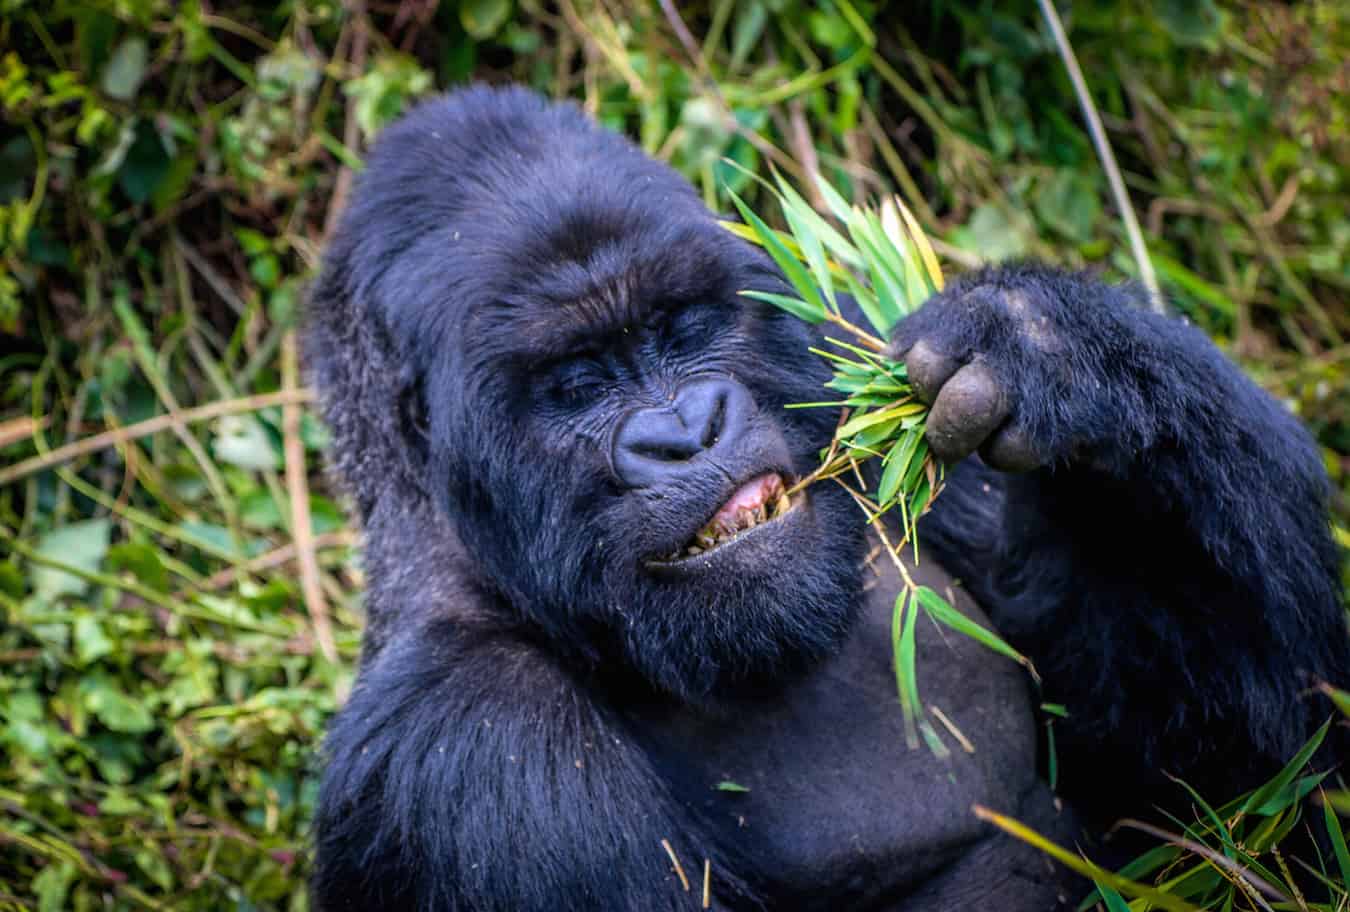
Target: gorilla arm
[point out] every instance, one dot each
(1162, 552)
(467, 772)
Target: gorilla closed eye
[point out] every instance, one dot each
(575, 381)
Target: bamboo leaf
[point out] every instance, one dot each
(858, 423)
(791, 266)
(940, 611)
(1266, 799)
(1081, 865)
(795, 306)
(836, 203)
(896, 468)
(906, 677)
(920, 240)
(1338, 845)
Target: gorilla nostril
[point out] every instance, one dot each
(713, 430)
(664, 452)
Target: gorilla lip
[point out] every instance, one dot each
(760, 500)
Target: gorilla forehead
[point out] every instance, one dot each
(472, 212)
(602, 273)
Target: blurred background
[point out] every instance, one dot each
(179, 588)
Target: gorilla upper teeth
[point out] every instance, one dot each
(723, 528)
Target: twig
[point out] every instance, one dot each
(351, 129)
(64, 454)
(1218, 859)
(275, 558)
(1104, 153)
(297, 482)
(297, 489)
(665, 844)
(951, 727)
(21, 428)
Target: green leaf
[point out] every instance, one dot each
(52, 885)
(791, 266)
(729, 786)
(483, 18)
(142, 561)
(795, 306)
(897, 463)
(1068, 203)
(119, 804)
(837, 204)
(1081, 865)
(145, 166)
(940, 611)
(887, 285)
(798, 215)
(860, 422)
(125, 71)
(1114, 901)
(242, 440)
(906, 674)
(119, 712)
(1267, 799)
(876, 436)
(1337, 835)
(91, 643)
(80, 545)
(1190, 22)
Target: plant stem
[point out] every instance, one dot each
(1108, 158)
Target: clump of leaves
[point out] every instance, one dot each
(1230, 856)
(883, 261)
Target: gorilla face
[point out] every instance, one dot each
(603, 415)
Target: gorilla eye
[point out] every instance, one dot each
(575, 382)
(686, 328)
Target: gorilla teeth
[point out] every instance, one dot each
(723, 529)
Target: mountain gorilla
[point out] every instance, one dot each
(543, 384)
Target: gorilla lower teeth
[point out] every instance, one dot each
(725, 528)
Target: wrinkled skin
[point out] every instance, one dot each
(542, 383)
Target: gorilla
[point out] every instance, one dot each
(542, 383)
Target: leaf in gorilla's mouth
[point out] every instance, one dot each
(760, 500)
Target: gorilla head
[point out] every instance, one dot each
(584, 393)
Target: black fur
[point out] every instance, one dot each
(1171, 569)
(508, 283)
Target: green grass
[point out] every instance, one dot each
(180, 594)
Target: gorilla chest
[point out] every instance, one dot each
(814, 787)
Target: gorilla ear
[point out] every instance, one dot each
(412, 411)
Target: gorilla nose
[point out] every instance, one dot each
(660, 443)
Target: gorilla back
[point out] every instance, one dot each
(591, 602)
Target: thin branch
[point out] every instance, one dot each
(1219, 860)
(351, 130)
(75, 450)
(343, 538)
(1104, 153)
(297, 489)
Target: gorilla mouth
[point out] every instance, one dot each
(760, 501)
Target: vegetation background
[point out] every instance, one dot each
(179, 585)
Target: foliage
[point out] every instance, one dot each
(167, 173)
(889, 268)
(1233, 856)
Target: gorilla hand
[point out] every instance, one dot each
(1140, 446)
(1025, 365)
